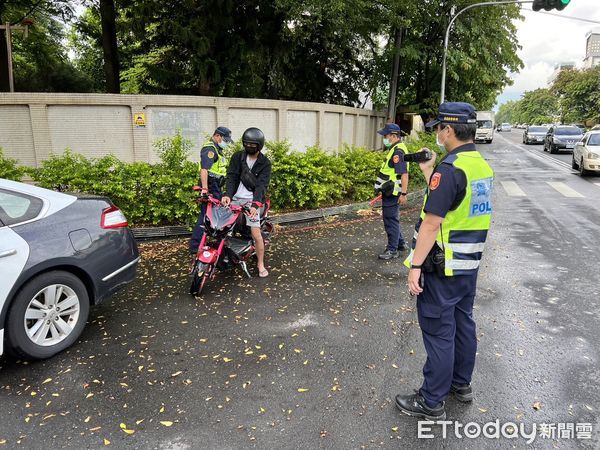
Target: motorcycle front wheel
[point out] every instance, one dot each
(200, 274)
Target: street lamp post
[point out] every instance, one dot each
(504, 2)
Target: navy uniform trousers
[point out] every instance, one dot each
(214, 190)
(445, 311)
(391, 222)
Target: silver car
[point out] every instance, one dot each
(59, 254)
(586, 154)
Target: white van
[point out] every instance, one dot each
(485, 126)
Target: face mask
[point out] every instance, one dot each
(223, 145)
(251, 150)
(439, 143)
(386, 142)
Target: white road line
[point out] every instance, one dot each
(565, 190)
(513, 189)
(597, 184)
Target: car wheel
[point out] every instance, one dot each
(573, 163)
(47, 315)
(582, 171)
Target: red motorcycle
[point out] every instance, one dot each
(227, 241)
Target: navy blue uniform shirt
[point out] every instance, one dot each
(447, 186)
(397, 162)
(208, 156)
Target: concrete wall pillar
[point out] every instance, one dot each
(42, 141)
(281, 124)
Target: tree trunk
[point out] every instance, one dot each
(109, 46)
(4, 83)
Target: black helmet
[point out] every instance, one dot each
(253, 136)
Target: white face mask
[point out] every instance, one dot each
(439, 143)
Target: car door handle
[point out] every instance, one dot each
(10, 252)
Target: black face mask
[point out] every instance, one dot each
(251, 150)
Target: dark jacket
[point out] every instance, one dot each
(261, 169)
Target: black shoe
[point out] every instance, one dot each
(414, 405)
(402, 248)
(462, 392)
(388, 254)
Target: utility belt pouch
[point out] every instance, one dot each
(387, 188)
(435, 261)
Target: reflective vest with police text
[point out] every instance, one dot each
(464, 230)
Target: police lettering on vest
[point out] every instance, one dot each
(463, 233)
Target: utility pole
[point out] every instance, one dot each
(7, 83)
(394, 81)
(454, 16)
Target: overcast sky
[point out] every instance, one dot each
(547, 40)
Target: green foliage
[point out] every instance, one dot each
(9, 168)
(578, 93)
(161, 194)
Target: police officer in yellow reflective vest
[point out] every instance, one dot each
(392, 183)
(444, 261)
(213, 169)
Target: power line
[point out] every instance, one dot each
(563, 16)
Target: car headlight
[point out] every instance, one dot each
(593, 156)
(557, 141)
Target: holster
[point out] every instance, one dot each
(387, 188)
(435, 261)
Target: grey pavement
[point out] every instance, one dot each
(313, 356)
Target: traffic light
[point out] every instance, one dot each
(550, 4)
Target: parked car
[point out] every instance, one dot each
(506, 127)
(586, 154)
(562, 137)
(595, 127)
(59, 254)
(534, 134)
(579, 125)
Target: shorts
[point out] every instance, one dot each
(243, 201)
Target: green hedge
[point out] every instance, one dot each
(160, 194)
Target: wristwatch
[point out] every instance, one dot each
(403, 193)
(416, 266)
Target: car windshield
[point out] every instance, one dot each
(506, 124)
(594, 139)
(484, 124)
(568, 131)
(537, 130)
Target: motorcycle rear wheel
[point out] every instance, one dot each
(199, 277)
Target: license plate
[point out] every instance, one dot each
(570, 145)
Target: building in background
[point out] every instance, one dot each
(592, 49)
(558, 68)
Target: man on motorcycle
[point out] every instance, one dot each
(213, 168)
(248, 176)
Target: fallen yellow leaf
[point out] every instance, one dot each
(302, 390)
(166, 423)
(106, 441)
(176, 373)
(261, 357)
(227, 359)
(537, 406)
(395, 429)
(87, 419)
(47, 380)
(125, 430)
(137, 422)
(162, 409)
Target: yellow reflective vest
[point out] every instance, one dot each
(219, 168)
(464, 230)
(387, 173)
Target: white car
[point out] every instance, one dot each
(59, 254)
(586, 153)
(506, 127)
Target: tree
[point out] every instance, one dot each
(109, 46)
(39, 62)
(578, 93)
(506, 112)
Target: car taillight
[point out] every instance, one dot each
(113, 217)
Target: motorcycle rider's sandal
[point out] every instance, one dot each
(263, 273)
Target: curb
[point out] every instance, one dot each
(279, 219)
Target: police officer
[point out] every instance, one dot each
(444, 261)
(392, 182)
(213, 169)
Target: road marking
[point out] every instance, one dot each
(565, 190)
(597, 184)
(513, 189)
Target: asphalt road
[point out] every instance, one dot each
(313, 356)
